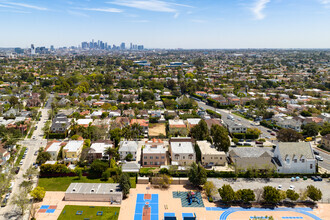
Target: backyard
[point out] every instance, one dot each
(62, 183)
(89, 212)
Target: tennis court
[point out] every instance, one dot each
(146, 207)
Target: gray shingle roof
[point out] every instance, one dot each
(251, 152)
(295, 148)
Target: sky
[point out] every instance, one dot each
(187, 24)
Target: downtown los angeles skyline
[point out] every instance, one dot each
(188, 24)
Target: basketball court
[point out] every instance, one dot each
(146, 207)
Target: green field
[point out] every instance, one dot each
(88, 212)
(62, 183)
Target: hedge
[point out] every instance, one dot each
(212, 101)
(51, 169)
(238, 135)
(56, 136)
(197, 96)
(213, 113)
(168, 97)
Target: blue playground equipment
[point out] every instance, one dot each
(188, 216)
(191, 197)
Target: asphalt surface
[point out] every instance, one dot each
(33, 145)
(250, 124)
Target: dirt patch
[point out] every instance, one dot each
(157, 129)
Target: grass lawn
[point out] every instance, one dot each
(88, 212)
(20, 156)
(62, 183)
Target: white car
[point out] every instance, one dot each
(279, 187)
(7, 195)
(318, 158)
(291, 187)
(21, 163)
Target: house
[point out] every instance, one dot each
(192, 122)
(130, 167)
(84, 122)
(53, 148)
(97, 150)
(212, 121)
(325, 141)
(288, 122)
(143, 123)
(211, 156)
(294, 157)
(182, 151)
(94, 192)
(129, 113)
(72, 150)
(128, 147)
(60, 124)
(121, 122)
(234, 127)
(4, 155)
(245, 158)
(63, 102)
(33, 102)
(177, 126)
(116, 113)
(154, 153)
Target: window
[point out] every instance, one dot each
(220, 158)
(303, 160)
(183, 157)
(151, 163)
(145, 163)
(145, 157)
(157, 157)
(311, 166)
(295, 160)
(163, 157)
(215, 158)
(151, 157)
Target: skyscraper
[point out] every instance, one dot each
(122, 46)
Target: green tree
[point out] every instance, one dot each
(78, 173)
(197, 174)
(31, 172)
(21, 200)
(111, 152)
(97, 168)
(38, 193)
(106, 175)
(271, 194)
(292, 195)
(129, 157)
(115, 136)
(125, 184)
(314, 193)
(200, 131)
(289, 135)
(162, 180)
(220, 138)
(227, 193)
(325, 129)
(209, 188)
(43, 156)
(245, 195)
(13, 100)
(311, 129)
(306, 113)
(26, 186)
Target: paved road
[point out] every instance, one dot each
(9, 211)
(243, 121)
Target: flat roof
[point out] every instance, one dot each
(182, 147)
(73, 146)
(207, 149)
(93, 188)
(54, 147)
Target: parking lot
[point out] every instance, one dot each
(299, 185)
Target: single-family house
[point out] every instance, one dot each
(182, 151)
(126, 148)
(154, 153)
(72, 150)
(210, 155)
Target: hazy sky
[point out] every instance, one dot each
(167, 23)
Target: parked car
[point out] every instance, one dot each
(34, 137)
(319, 178)
(7, 196)
(269, 131)
(319, 158)
(314, 178)
(291, 187)
(17, 170)
(36, 153)
(241, 140)
(239, 144)
(316, 153)
(247, 144)
(21, 163)
(4, 202)
(279, 187)
(259, 142)
(272, 134)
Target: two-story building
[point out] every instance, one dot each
(234, 127)
(126, 148)
(325, 141)
(60, 124)
(294, 157)
(210, 155)
(154, 153)
(53, 148)
(72, 150)
(182, 151)
(97, 150)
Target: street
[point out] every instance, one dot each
(243, 121)
(9, 211)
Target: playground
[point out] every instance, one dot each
(173, 204)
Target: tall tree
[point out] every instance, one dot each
(246, 195)
(21, 200)
(197, 174)
(311, 129)
(271, 194)
(125, 184)
(200, 131)
(220, 138)
(314, 193)
(288, 135)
